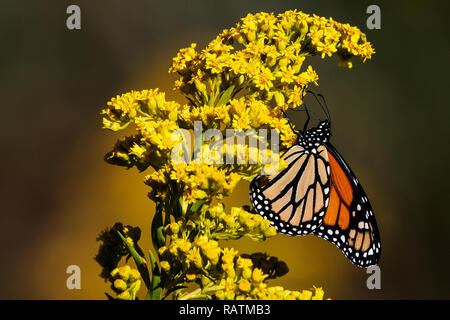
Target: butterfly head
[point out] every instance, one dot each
(315, 137)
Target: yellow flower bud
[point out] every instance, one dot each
(200, 194)
(202, 242)
(191, 276)
(244, 286)
(120, 285)
(240, 39)
(251, 36)
(207, 223)
(184, 246)
(243, 215)
(213, 255)
(216, 210)
(114, 273)
(257, 218)
(193, 256)
(231, 273)
(283, 62)
(220, 295)
(279, 99)
(160, 100)
(298, 65)
(318, 294)
(271, 61)
(258, 275)
(229, 295)
(152, 105)
(213, 244)
(286, 24)
(295, 294)
(200, 86)
(162, 250)
(165, 265)
(229, 220)
(205, 281)
(173, 115)
(113, 126)
(303, 27)
(174, 227)
(250, 223)
(264, 225)
(281, 44)
(134, 275)
(241, 80)
(124, 273)
(243, 263)
(247, 273)
(305, 295)
(270, 232)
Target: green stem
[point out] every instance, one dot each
(158, 238)
(140, 261)
(155, 290)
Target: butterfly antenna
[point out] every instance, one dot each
(305, 127)
(297, 132)
(324, 108)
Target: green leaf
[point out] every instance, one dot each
(226, 96)
(178, 287)
(155, 290)
(140, 261)
(197, 205)
(158, 238)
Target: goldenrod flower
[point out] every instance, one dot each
(120, 285)
(258, 275)
(318, 294)
(243, 263)
(165, 265)
(244, 285)
(243, 80)
(193, 256)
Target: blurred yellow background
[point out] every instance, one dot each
(390, 121)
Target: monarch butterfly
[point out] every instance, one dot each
(319, 194)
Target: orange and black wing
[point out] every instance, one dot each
(349, 220)
(295, 200)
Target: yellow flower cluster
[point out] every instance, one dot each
(125, 282)
(237, 223)
(245, 282)
(198, 181)
(264, 55)
(279, 293)
(156, 121)
(203, 261)
(243, 80)
(218, 224)
(144, 105)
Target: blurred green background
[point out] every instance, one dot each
(390, 121)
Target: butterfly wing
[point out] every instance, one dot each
(349, 221)
(295, 200)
